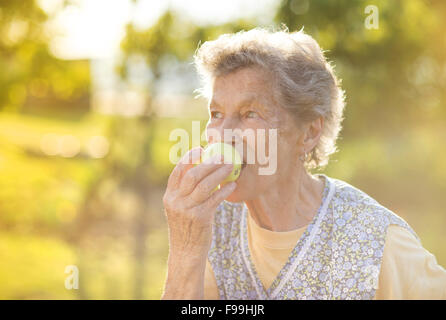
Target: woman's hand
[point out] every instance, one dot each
(190, 205)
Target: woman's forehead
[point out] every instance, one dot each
(250, 78)
(239, 100)
(245, 87)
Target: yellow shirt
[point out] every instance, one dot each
(408, 271)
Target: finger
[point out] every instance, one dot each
(209, 183)
(191, 157)
(194, 176)
(217, 197)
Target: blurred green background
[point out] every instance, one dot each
(90, 91)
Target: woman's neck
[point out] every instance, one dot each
(290, 204)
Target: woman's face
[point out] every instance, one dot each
(243, 101)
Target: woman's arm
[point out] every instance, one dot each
(185, 277)
(409, 271)
(190, 205)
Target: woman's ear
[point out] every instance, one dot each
(312, 133)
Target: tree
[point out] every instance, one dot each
(392, 73)
(30, 72)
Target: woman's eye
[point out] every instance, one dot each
(252, 114)
(216, 115)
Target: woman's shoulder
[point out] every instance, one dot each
(409, 271)
(348, 193)
(349, 200)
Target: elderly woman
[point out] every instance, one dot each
(291, 234)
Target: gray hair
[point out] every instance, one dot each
(303, 80)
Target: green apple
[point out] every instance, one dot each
(230, 155)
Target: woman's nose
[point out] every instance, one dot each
(231, 123)
(230, 131)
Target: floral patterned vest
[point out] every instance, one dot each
(338, 256)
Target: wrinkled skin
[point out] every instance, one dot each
(282, 201)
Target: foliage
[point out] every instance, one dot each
(105, 215)
(30, 73)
